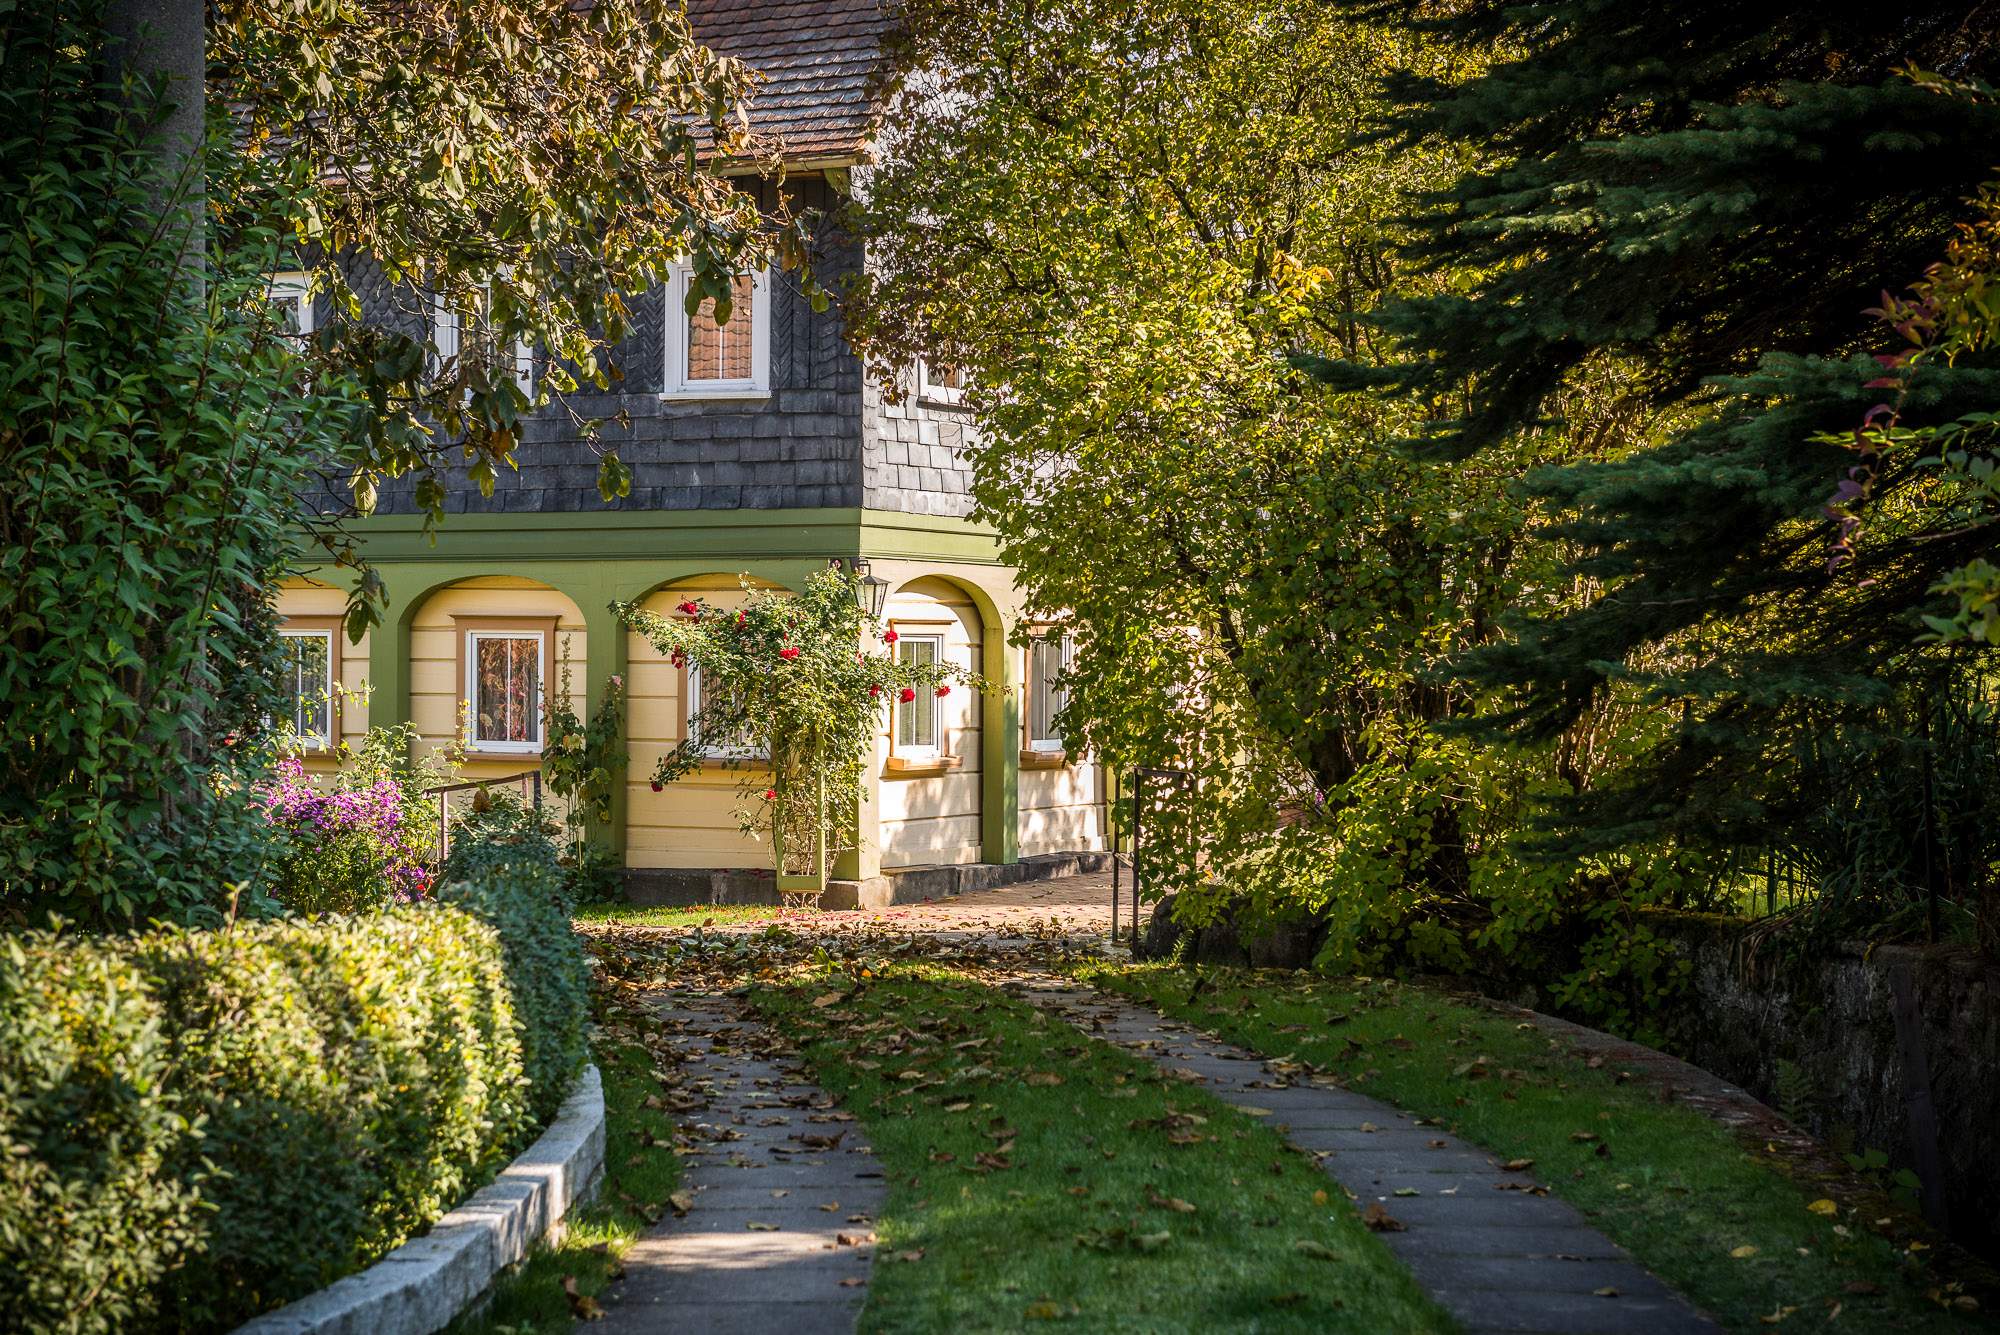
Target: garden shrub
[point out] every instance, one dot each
(196, 1126)
(503, 870)
(90, 1215)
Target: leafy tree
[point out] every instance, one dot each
(1692, 204)
(534, 165)
(152, 435)
(786, 683)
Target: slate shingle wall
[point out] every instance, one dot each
(822, 438)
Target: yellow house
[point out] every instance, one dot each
(759, 451)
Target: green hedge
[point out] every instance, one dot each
(198, 1126)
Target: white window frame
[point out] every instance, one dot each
(293, 285)
(320, 741)
(694, 707)
(925, 699)
(757, 384)
(1038, 682)
(930, 391)
(448, 340)
(473, 742)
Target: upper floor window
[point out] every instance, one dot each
(917, 719)
(940, 384)
(290, 298)
(1048, 658)
(709, 358)
(309, 659)
(504, 674)
(457, 331)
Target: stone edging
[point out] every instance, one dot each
(419, 1287)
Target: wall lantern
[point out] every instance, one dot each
(870, 589)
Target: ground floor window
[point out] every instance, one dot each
(711, 736)
(1048, 657)
(917, 718)
(309, 685)
(504, 685)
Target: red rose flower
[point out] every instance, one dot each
(740, 620)
(788, 654)
(943, 691)
(770, 794)
(658, 786)
(909, 694)
(874, 691)
(690, 608)
(890, 637)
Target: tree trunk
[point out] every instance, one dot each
(162, 41)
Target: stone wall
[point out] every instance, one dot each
(1819, 1043)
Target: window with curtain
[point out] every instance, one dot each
(504, 687)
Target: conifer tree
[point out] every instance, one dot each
(1689, 209)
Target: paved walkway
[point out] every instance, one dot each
(1490, 1245)
(781, 1198)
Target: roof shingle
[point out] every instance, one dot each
(818, 60)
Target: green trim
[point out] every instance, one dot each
(595, 559)
(654, 535)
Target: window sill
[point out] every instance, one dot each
(1044, 760)
(486, 753)
(714, 395)
(918, 767)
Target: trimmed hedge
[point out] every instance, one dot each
(198, 1126)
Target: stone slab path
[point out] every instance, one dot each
(782, 1195)
(1489, 1245)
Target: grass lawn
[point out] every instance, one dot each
(699, 915)
(1677, 1189)
(1039, 1174)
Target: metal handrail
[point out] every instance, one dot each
(1140, 774)
(444, 791)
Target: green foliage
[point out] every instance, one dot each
(1660, 204)
(514, 885)
(153, 438)
(786, 680)
(587, 763)
(92, 1129)
(201, 1125)
(537, 166)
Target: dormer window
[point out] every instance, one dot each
(289, 297)
(711, 359)
(450, 341)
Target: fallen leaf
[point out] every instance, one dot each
(852, 1282)
(682, 1201)
(1406, 1191)
(1319, 1251)
(826, 999)
(1043, 1311)
(1256, 1112)
(916, 1254)
(1042, 1079)
(1743, 1253)
(1824, 1206)
(1517, 1165)
(581, 1305)
(1380, 1220)
(757, 1227)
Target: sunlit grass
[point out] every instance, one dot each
(698, 915)
(1084, 1215)
(1674, 1187)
